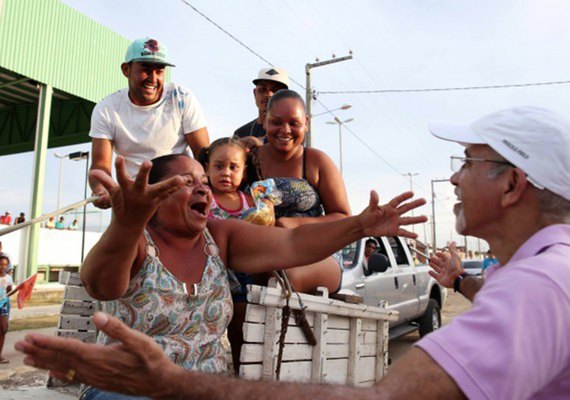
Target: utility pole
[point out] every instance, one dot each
(340, 124)
(309, 90)
(410, 175)
(434, 242)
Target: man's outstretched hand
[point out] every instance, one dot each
(135, 365)
(446, 266)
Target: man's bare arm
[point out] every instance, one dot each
(470, 286)
(197, 140)
(136, 365)
(101, 156)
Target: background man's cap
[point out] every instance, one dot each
(534, 139)
(147, 50)
(273, 74)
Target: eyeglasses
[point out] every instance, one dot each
(457, 163)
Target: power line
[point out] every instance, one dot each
(271, 64)
(514, 85)
(245, 46)
(362, 141)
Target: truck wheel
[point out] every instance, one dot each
(431, 320)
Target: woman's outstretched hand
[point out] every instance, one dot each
(388, 219)
(135, 201)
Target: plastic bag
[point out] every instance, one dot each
(265, 196)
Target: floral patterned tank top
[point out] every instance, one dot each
(188, 326)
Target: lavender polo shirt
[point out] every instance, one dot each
(515, 341)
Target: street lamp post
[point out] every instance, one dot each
(343, 107)
(77, 156)
(61, 158)
(411, 175)
(434, 243)
(340, 124)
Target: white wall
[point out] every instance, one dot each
(56, 247)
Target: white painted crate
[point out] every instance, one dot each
(75, 315)
(352, 340)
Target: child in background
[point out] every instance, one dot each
(5, 287)
(224, 161)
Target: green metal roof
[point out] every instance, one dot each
(49, 42)
(52, 43)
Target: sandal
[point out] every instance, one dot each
(4, 361)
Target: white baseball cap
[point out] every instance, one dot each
(273, 74)
(536, 140)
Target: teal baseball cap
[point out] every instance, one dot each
(147, 50)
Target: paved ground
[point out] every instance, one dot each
(456, 304)
(20, 382)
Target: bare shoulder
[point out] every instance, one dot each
(319, 165)
(317, 160)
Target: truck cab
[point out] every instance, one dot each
(390, 277)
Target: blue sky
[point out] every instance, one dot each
(396, 45)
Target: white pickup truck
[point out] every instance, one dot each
(391, 277)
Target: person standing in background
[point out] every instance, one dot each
(269, 81)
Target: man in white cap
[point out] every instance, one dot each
(269, 81)
(148, 119)
(513, 187)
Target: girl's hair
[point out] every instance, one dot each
(160, 167)
(285, 94)
(204, 155)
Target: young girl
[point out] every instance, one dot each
(5, 287)
(224, 161)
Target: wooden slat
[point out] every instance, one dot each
(84, 336)
(381, 350)
(252, 353)
(348, 298)
(255, 313)
(69, 278)
(318, 351)
(272, 297)
(74, 322)
(76, 293)
(272, 331)
(334, 372)
(354, 344)
(84, 308)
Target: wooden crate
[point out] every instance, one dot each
(352, 340)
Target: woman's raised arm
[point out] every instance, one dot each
(275, 248)
(106, 270)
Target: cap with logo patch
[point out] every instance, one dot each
(273, 74)
(536, 140)
(147, 50)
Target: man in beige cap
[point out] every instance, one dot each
(269, 81)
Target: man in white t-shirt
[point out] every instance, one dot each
(146, 120)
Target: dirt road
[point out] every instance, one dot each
(456, 304)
